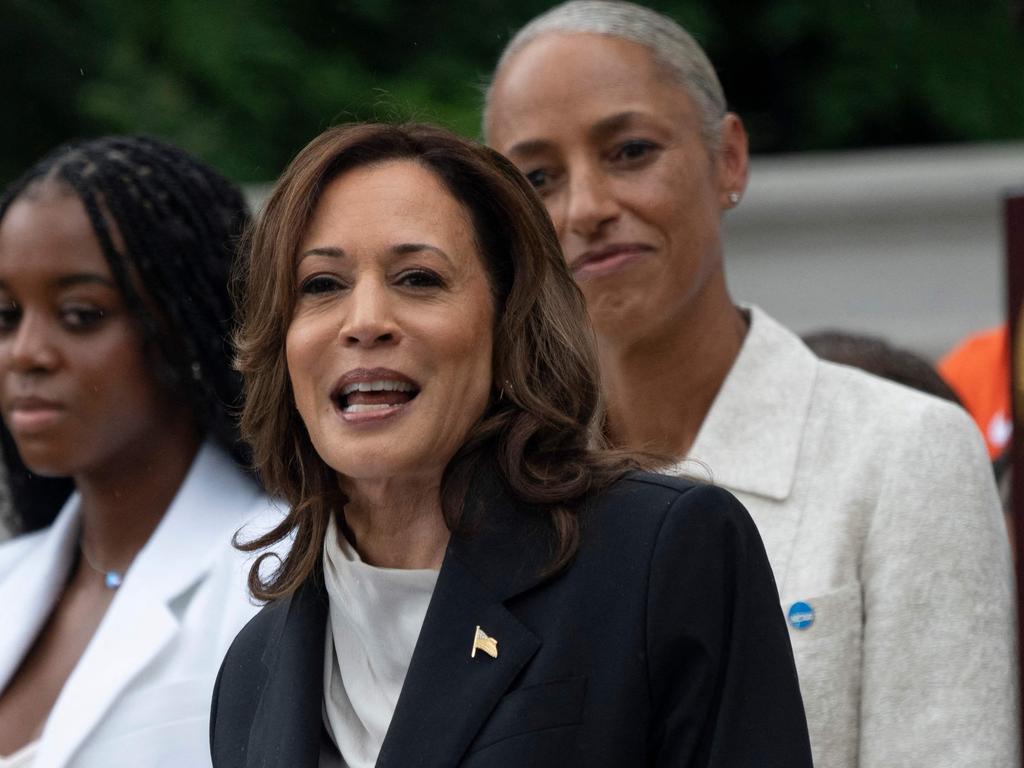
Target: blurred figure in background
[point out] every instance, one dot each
(876, 504)
(118, 601)
(876, 355)
(978, 370)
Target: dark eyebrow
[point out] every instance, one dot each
(79, 278)
(84, 278)
(613, 123)
(600, 129)
(334, 253)
(403, 248)
(527, 148)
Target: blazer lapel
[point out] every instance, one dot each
(287, 726)
(129, 638)
(751, 438)
(448, 695)
(141, 621)
(29, 590)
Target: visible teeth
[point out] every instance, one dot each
(363, 408)
(377, 386)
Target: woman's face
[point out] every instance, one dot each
(389, 346)
(614, 148)
(76, 391)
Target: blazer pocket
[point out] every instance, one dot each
(833, 615)
(537, 707)
(828, 654)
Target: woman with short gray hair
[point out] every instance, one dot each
(876, 504)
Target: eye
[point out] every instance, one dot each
(9, 316)
(81, 317)
(538, 178)
(420, 278)
(634, 151)
(317, 284)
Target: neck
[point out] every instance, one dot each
(397, 524)
(122, 504)
(659, 389)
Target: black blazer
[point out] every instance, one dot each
(661, 644)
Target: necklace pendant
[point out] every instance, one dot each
(113, 579)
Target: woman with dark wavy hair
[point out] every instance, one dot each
(471, 582)
(122, 591)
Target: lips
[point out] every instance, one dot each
(32, 414)
(607, 258)
(373, 393)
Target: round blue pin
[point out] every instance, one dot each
(800, 615)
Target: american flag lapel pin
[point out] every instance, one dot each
(482, 642)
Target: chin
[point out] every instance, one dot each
(49, 465)
(617, 315)
(369, 465)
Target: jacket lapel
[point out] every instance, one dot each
(128, 638)
(286, 728)
(38, 570)
(448, 695)
(751, 439)
(142, 619)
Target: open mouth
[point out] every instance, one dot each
(374, 396)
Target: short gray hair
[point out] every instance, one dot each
(672, 47)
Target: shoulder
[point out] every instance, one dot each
(240, 682)
(889, 412)
(256, 646)
(230, 566)
(649, 509)
(259, 633)
(654, 494)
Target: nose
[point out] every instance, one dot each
(370, 319)
(591, 203)
(32, 347)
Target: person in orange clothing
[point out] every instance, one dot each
(978, 370)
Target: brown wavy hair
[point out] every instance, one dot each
(538, 431)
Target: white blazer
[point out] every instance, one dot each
(878, 510)
(140, 694)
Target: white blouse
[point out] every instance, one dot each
(375, 619)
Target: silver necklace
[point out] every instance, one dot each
(111, 578)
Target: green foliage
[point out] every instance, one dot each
(245, 83)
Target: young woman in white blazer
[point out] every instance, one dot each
(123, 590)
(876, 504)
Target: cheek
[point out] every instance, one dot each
(136, 381)
(555, 205)
(472, 348)
(301, 354)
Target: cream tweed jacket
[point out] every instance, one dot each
(878, 510)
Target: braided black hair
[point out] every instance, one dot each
(179, 222)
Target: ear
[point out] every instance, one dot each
(732, 160)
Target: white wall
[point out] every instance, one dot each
(903, 243)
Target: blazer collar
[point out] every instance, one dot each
(29, 589)
(750, 440)
(447, 695)
(143, 618)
